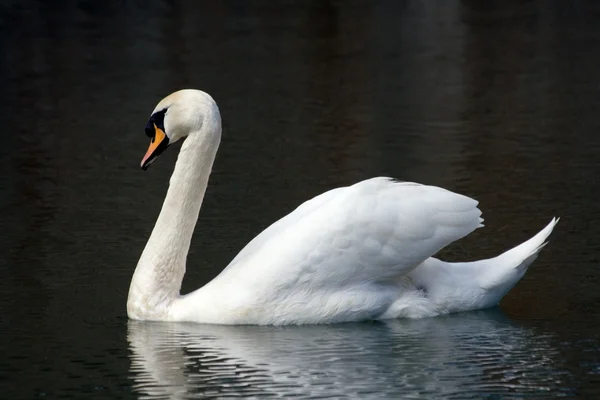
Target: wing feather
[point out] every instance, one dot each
(373, 231)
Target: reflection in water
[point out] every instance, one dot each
(450, 356)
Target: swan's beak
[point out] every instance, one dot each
(158, 144)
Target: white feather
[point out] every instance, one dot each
(353, 253)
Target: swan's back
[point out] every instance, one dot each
(372, 231)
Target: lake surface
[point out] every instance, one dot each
(498, 100)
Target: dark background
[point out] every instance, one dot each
(498, 100)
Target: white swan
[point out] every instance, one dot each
(352, 253)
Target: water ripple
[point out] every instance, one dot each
(444, 358)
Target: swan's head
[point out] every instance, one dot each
(178, 115)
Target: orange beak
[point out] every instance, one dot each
(158, 143)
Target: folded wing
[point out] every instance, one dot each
(372, 231)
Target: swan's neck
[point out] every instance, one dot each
(157, 279)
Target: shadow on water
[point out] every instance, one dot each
(450, 357)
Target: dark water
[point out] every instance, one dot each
(499, 100)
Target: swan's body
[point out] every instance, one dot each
(353, 253)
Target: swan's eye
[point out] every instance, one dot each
(156, 119)
(149, 129)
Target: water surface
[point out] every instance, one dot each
(496, 100)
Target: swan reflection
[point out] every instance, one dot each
(480, 352)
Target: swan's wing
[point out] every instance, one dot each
(373, 231)
(280, 226)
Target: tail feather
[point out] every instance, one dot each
(509, 267)
(453, 287)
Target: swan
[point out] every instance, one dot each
(362, 252)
